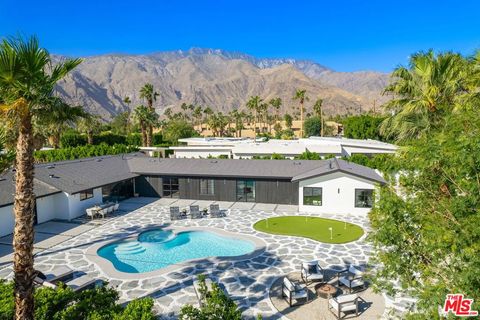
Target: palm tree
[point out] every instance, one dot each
(150, 95)
(27, 81)
(318, 109)
(197, 115)
(146, 118)
(6, 156)
(127, 101)
(89, 125)
(424, 92)
(276, 103)
(301, 96)
(255, 104)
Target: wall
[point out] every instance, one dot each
(51, 207)
(7, 220)
(201, 153)
(77, 207)
(349, 150)
(338, 193)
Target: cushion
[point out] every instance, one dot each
(288, 284)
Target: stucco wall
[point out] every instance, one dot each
(201, 154)
(7, 221)
(338, 193)
(77, 207)
(349, 150)
(51, 207)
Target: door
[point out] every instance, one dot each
(246, 190)
(171, 187)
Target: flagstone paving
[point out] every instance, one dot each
(247, 281)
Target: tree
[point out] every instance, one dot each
(150, 95)
(288, 120)
(428, 235)
(255, 104)
(318, 109)
(127, 100)
(424, 93)
(141, 114)
(6, 156)
(89, 125)
(178, 129)
(27, 81)
(301, 96)
(197, 115)
(121, 123)
(363, 127)
(276, 103)
(313, 126)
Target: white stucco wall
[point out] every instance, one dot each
(7, 220)
(200, 154)
(349, 150)
(77, 207)
(338, 193)
(51, 207)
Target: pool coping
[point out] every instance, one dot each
(109, 269)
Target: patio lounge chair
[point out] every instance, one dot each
(311, 272)
(215, 211)
(174, 213)
(342, 305)
(60, 273)
(351, 278)
(196, 285)
(293, 291)
(78, 284)
(195, 212)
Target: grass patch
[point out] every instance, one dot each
(311, 227)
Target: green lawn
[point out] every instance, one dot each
(311, 227)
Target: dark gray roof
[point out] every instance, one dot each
(7, 188)
(334, 165)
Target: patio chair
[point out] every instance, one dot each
(59, 273)
(311, 272)
(215, 211)
(174, 213)
(78, 284)
(103, 212)
(351, 278)
(195, 212)
(293, 291)
(91, 212)
(116, 206)
(344, 304)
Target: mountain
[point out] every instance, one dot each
(221, 79)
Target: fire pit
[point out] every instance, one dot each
(325, 290)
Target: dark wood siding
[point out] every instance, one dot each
(266, 191)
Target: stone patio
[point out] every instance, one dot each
(247, 282)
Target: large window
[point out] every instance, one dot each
(246, 190)
(117, 191)
(207, 187)
(363, 198)
(170, 187)
(87, 194)
(312, 196)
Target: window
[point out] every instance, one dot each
(87, 194)
(170, 187)
(363, 198)
(312, 196)
(207, 187)
(117, 191)
(246, 190)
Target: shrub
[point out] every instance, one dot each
(276, 156)
(109, 139)
(312, 126)
(82, 152)
(134, 139)
(307, 155)
(70, 140)
(287, 134)
(157, 139)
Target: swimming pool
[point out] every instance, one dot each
(157, 249)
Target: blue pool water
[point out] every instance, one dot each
(157, 249)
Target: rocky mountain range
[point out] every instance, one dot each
(220, 79)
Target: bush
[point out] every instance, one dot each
(134, 139)
(109, 139)
(307, 155)
(157, 139)
(312, 126)
(64, 304)
(178, 129)
(70, 140)
(287, 134)
(82, 152)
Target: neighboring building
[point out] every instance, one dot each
(65, 189)
(243, 148)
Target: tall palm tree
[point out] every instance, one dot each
(254, 104)
(318, 109)
(276, 103)
(150, 95)
(127, 100)
(27, 81)
(301, 96)
(146, 118)
(197, 115)
(424, 92)
(89, 124)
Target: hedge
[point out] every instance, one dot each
(82, 152)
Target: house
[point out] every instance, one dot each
(65, 189)
(243, 148)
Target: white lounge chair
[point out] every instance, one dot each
(351, 278)
(311, 272)
(60, 273)
(293, 291)
(215, 211)
(78, 284)
(174, 213)
(342, 305)
(195, 212)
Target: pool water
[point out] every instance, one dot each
(158, 249)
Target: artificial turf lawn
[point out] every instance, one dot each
(311, 227)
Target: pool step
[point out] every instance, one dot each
(133, 247)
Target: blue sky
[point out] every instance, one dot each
(343, 35)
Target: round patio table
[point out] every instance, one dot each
(325, 290)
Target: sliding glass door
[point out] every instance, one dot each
(170, 187)
(246, 190)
